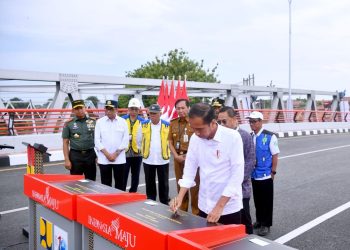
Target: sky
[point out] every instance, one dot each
(245, 37)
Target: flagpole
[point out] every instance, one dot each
(290, 103)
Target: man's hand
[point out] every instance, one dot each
(175, 203)
(68, 164)
(114, 155)
(180, 158)
(108, 155)
(215, 214)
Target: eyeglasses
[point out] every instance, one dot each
(223, 122)
(133, 109)
(253, 121)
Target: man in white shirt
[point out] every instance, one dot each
(111, 140)
(218, 152)
(267, 150)
(156, 154)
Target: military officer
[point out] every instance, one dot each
(78, 143)
(179, 137)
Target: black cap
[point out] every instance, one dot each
(78, 103)
(154, 108)
(216, 104)
(111, 104)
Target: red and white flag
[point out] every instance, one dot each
(184, 91)
(161, 100)
(171, 101)
(167, 100)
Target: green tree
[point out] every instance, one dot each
(123, 101)
(18, 103)
(94, 100)
(174, 63)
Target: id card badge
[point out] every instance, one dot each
(177, 146)
(186, 138)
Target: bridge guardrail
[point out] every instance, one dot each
(43, 121)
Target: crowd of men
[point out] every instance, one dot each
(217, 164)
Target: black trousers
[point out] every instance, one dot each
(163, 182)
(83, 162)
(245, 216)
(263, 200)
(118, 173)
(234, 218)
(133, 163)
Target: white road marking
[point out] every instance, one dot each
(19, 168)
(313, 152)
(13, 210)
(300, 230)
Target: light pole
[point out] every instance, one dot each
(290, 105)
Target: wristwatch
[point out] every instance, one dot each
(274, 172)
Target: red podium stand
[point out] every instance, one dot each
(53, 208)
(82, 214)
(132, 222)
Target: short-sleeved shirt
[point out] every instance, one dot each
(178, 130)
(80, 133)
(273, 143)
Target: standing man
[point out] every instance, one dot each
(218, 151)
(156, 154)
(111, 140)
(133, 153)
(78, 143)
(267, 151)
(179, 137)
(228, 118)
(217, 106)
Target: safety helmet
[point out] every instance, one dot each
(134, 103)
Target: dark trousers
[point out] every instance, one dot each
(133, 163)
(118, 173)
(263, 200)
(83, 162)
(163, 182)
(179, 170)
(245, 216)
(234, 218)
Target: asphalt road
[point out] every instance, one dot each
(312, 180)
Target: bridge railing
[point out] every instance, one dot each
(43, 121)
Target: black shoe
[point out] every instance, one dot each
(256, 225)
(263, 231)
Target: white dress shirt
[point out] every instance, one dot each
(111, 135)
(274, 149)
(221, 169)
(155, 151)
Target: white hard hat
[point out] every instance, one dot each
(134, 103)
(256, 115)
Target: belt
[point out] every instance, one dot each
(182, 152)
(82, 151)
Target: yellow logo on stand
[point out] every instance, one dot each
(30, 169)
(46, 233)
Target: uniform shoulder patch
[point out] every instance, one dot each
(268, 132)
(166, 123)
(68, 121)
(177, 118)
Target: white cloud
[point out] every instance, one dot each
(243, 36)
